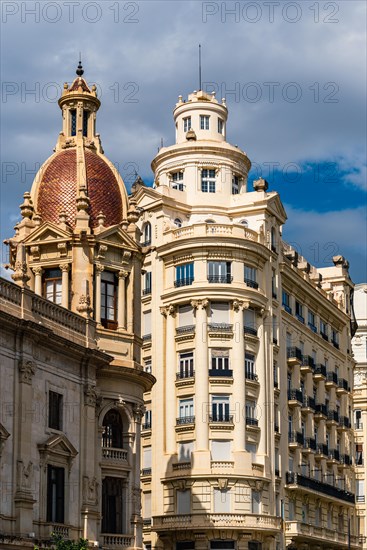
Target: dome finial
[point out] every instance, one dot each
(80, 70)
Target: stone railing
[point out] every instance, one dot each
(222, 464)
(61, 530)
(215, 229)
(53, 312)
(113, 454)
(118, 541)
(10, 292)
(293, 528)
(208, 521)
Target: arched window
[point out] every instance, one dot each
(112, 430)
(147, 232)
(178, 222)
(244, 222)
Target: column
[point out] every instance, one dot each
(65, 285)
(121, 293)
(38, 280)
(202, 400)
(238, 365)
(264, 400)
(97, 310)
(170, 394)
(135, 515)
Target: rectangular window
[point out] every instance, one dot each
(148, 365)
(235, 185)
(250, 371)
(359, 454)
(360, 490)
(52, 282)
(185, 448)
(185, 315)
(249, 322)
(186, 411)
(55, 494)
(186, 365)
(274, 286)
(73, 122)
(299, 312)
(183, 502)
(223, 545)
(184, 274)
(222, 501)
(147, 323)
(335, 338)
(147, 505)
(251, 276)
(147, 458)
(55, 410)
(312, 321)
(220, 126)
(109, 287)
(275, 374)
(291, 510)
(219, 361)
(219, 272)
(255, 502)
(220, 450)
(204, 122)
(323, 329)
(208, 181)
(147, 424)
(358, 419)
(187, 124)
(219, 313)
(85, 123)
(147, 283)
(286, 301)
(220, 408)
(177, 181)
(275, 329)
(251, 448)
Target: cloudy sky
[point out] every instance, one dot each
(293, 74)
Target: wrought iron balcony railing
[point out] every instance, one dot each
(184, 281)
(294, 353)
(318, 486)
(222, 373)
(182, 420)
(226, 279)
(251, 283)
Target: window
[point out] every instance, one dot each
(178, 222)
(109, 286)
(329, 519)
(186, 124)
(147, 458)
(312, 321)
(275, 329)
(250, 371)
(220, 450)
(219, 313)
(335, 338)
(222, 545)
(359, 454)
(251, 276)
(249, 321)
(185, 315)
(235, 185)
(251, 419)
(341, 523)
(112, 430)
(147, 325)
(204, 122)
(291, 510)
(304, 513)
(73, 122)
(275, 374)
(299, 312)
(147, 283)
(290, 424)
(251, 448)
(187, 545)
(358, 419)
(85, 123)
(177, 181)
(220, 362)
(52, 285)
(220, 408)
(55, 494)
(286, 301)
(186, 365)
(273, 239)
(273, 286)
(208, 181)
(219, 272)
(185, 448)
(184, 274)
(186, 411)
(148, 365)
(360, 490)
(255, 502)
(222, 501)
(147, 506)
(147, 424)
(220, 126)
(147, 232)
(323, 329)
(183, 502)
(244, 223)
(55, 410)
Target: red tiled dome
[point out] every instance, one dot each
(58, 189)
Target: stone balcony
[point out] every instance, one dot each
(113, 542)
(261, 522)
(113, 458)
(200, 230)
(303, 531)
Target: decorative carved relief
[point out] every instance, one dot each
(26, 369)
(63, 249)
(139, 411)
(90, 490)
(101, 252)
(90, 395)
(223, 483)
(35, 251)
(24, 476)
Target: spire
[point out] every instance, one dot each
(80, 70)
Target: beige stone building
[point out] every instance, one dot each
(247, 441)
(71, 380)
(359, 346)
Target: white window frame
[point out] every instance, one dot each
(204, 122)
(208, 180)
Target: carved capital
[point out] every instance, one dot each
(237, 305)
(168, 310)
(90, 395)
(64, 267)
(26, 369)
(84, 305)
(99, 268)
(123, 274)
(139, 411)
(37, 271)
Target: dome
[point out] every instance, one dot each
(58, 189)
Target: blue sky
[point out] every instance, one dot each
(293, 74)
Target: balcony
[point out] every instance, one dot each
(295, 438)
(287, 308)
(190, 373)
(324, 336)
(187, 329)
(321, 409)
(251, 284)
(331, 378)
(181, 466)
(221, 373)
(296, 530)
(333, 455)
(147, 338)
(294, 355)
(344, 423)
(249, 375)
(201, 521)
(221, 418)
(343, 386)
(332, 416)
(308, 403)
(295, 398)
(322, 449)
(114, 455)
(186, 281)
(185, 420)
(310, 444)
(312, 327)
(308, 364)
(250, 421)
(117, 541)
(216, 329)
(146, 472)
(221, 279)
(318, 486)
(319, 372)
(251, 331)
(346, 460)
(300, 318)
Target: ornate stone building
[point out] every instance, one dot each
(359, 345)
(247, 438)
(71, 382)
